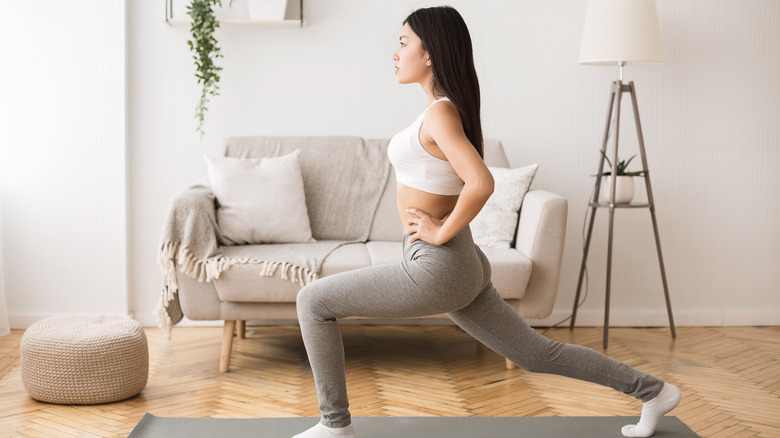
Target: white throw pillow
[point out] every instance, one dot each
(494, 226)
(261, 200)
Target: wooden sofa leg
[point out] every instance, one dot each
(241, 329)
(227, 346)
(510, 365)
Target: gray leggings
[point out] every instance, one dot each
(454, 279)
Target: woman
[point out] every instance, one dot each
(442, 185)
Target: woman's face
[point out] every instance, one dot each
(411, 61)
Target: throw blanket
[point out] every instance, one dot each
(343, 177)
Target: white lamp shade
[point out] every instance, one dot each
(624, 31)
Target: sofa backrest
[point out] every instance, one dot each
(343, 178)
(387, 225)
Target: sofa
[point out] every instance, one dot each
(525, 273)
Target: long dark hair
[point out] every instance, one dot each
(446, 38)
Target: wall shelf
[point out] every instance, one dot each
(295, 22)
(283, 23)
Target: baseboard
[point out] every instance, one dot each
(585, 318)
(659, 318)
(21, 321)
(148, 319)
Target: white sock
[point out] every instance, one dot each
(323, 431)
(652, 411)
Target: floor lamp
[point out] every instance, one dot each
(617, 33)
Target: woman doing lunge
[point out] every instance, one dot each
(442, 185)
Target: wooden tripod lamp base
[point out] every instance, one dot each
(618, 88)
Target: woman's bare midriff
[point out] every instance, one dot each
(438, 206)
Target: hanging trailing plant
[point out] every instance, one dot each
(204, 45)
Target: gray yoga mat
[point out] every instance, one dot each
(406, 427)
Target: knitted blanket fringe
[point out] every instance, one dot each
(172, 254)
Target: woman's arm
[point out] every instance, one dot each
(442, 125)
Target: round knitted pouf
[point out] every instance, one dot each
(84, 360)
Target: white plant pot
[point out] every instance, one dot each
(267, 9)
(624, 191)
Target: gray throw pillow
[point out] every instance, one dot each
(261, 200)
(494, 226)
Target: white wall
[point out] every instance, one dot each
(62, 158)
(709, 115)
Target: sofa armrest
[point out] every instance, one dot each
(198, 198)
(190, 235)
(540, 237)
(196, 207)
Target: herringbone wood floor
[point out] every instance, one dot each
(730, 378)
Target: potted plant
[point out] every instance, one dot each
(624, 187)
(203, 43)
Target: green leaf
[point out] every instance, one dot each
(204, 46)
(621, 169)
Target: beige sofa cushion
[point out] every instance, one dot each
(511, 271)
(261, 200)
(385, 252)
(242, 283)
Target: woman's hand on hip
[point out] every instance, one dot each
(424, 226)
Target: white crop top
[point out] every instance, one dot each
(416, 168)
